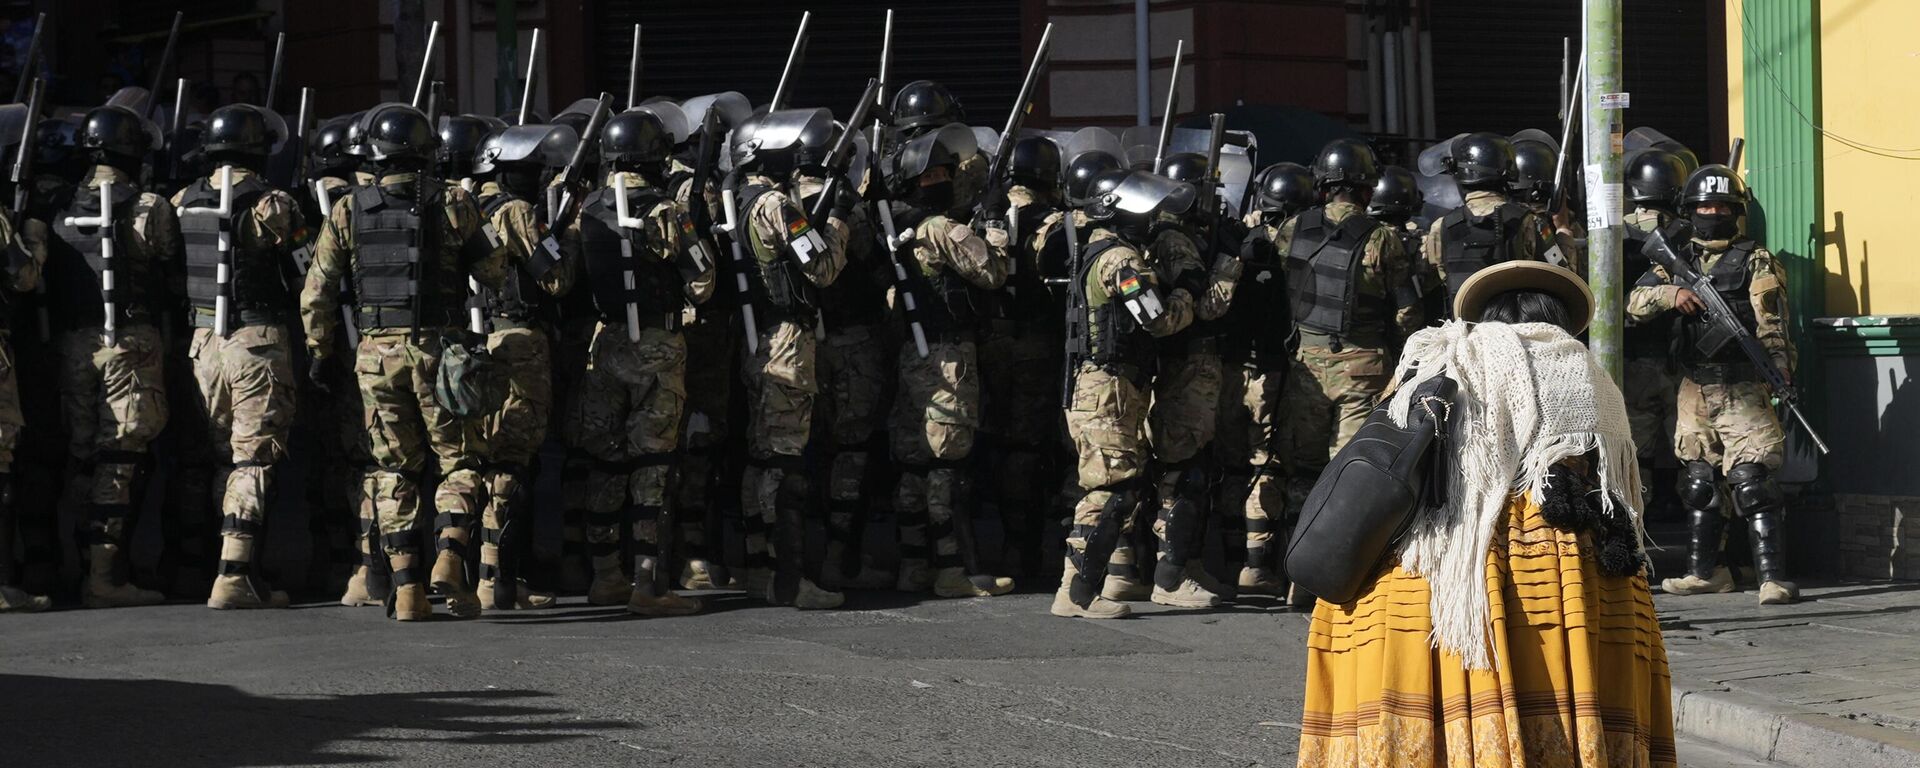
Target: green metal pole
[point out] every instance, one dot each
(506, 63)
(1605, 105)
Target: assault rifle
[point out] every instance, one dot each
(840, 158)
(993, 202)
(571, 181)
(1723, 327)
(22, 178)
(1079, 347)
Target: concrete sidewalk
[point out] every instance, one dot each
(1831, 681)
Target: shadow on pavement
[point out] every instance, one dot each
(77, 722)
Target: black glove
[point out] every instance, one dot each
(844, 201)
(317, 374)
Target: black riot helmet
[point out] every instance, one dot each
(1285, 189)
(118, 133)
(460, 136)
(1396, 196)
(1136, 198)
(327, 148)
(1654, 177)
(816, 142)
(241, 129)
(766, 143)
(1715, 183)
(1035, 163)
(1348, 163)
(53, 142)
(1481, 160)
(904, 166)
(1082, 172)
(1533, 168)
(396, 133)
(634, 138)
(1190, 167)
(924, 104)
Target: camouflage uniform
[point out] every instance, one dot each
(517, 339)
(781, 379)
(1529, 239)
(1019, 356)
(1184, 417)
(398, 361)
(855, 372)
(24, 254)
(1726, 425)
(1336, 377)
(41, 457)
(633, 398)
(1256, 353)
(1107, 417)
(113, 393)
(245, 379)
(937, 410)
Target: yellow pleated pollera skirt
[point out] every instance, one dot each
(1579, 676)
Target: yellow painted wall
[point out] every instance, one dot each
(1870, 94)
(1736, 97)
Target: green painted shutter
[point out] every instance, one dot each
(1782, 85)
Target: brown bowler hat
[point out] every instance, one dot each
(1553, 279)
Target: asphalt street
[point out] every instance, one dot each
(891, 681)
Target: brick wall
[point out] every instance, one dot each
(1879, 536)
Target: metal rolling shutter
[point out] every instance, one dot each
(1497, 65)
(691, 48)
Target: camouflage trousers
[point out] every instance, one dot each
(114, 402)
(1107, 421)
(1725, 417)
(511, 437)
(853, 366)
(1181, 424)
(631, 403)
(1020, 372)
(414, 441)
(1328, 396)
(711, 363)
(936, 414)
(246, 386)
(1246, 448)
(780, 383)
(1650, 393)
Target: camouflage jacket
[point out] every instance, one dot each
(1384, 269)
(1767, 291)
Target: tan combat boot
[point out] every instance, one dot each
(669, 604)
(610, 585)
(1779, 593)
(915, 576)
(1099, 608)
(1189, 594)
(525, 598)
(1690, 584)
(450, 580)
(698, 575)
(233, 590)
(954, 582)
(100, 591)
(16, 600)
(811, 597)
(1261, 581)
(358, 593)
(409, 600)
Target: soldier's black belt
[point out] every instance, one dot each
(203, 318)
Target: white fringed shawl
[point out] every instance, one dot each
(1530, 395)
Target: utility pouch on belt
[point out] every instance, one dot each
(470, 382)
(1368, 495)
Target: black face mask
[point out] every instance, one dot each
(937, 197)
(1714, 226)
(521, 183)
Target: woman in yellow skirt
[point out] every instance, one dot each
(1515, 626)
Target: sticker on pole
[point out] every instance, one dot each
(1615, 100)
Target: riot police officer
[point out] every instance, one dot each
(109, 347)
(1285, 189)
(1727, 434)
(237, 224)
(518, 321)
(643, 261)
(408, 242)
(1489, 227)
(924, 105)
(1396, 200)
(1653, 184)
(785, 259)
(1124, 308)
(936, 412)
(1352, 298)
(25, 253)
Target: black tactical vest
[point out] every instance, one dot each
(1253, 333)
(781, 292)
(1323, 269)
(390, 260)
(520, 299)
(257, 290)
(1025, 298)
(1471, 243)
(75, 264)
(1114, 337)
(859, 295)
(949, 305)
(1733, 280)
(657, 287)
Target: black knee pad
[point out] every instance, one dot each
(1700, 487)
(1754, 490)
